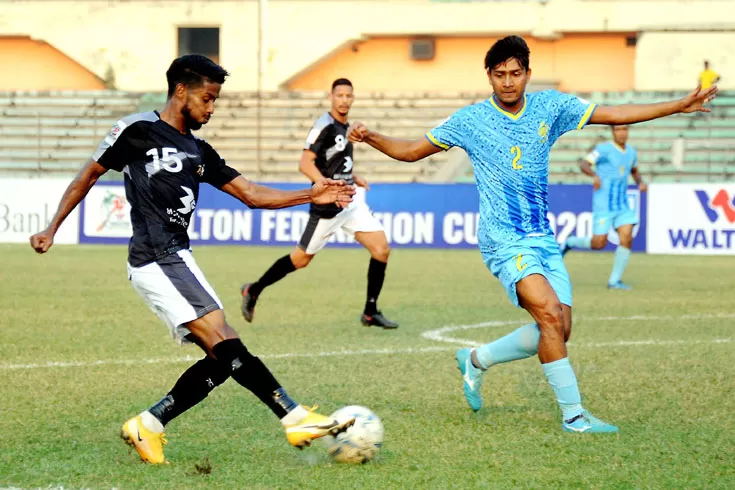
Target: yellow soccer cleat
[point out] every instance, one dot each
(149, 444)
(314, 426)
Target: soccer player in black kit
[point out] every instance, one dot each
(327, 153)
(163, 164)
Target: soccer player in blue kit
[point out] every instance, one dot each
(508, 138)
(614, 160)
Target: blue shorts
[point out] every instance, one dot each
(604, 220)
(530, 255)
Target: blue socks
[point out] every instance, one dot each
(622, 255)
(519, 344)
(584, 242)
(564, 383)
(523, 343)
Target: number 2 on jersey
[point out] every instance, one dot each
(516, 152)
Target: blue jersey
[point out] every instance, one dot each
(613, 166)
(510, 157)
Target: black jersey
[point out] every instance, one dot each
(162, 169)
(328, 139)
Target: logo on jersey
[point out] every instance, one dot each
(720, 200)
(543, 132)
(115, 133)
(200, 170)
(188, 201)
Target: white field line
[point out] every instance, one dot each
(436, 335)
(440, 334)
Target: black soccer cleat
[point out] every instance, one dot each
(248, 303)
(378, 320)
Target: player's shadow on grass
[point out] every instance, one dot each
(533, 394)
(496, 414)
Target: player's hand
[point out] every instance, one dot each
(42, 241)
(694, 102)
(328, 191)
(643, 187)
(596, 183)
(361, 182)
(357, 132)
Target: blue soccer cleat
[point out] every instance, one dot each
(619, 285)
(471, 379)
(586, 422)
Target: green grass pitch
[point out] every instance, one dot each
(80, 353)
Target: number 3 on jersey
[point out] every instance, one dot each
(348, 164)
(516, 152)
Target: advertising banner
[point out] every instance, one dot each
(413, 215)
(692, 219)
(570, 214)
(27, 206)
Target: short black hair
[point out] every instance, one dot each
(193, 70)
(341, 81)
(507, 48)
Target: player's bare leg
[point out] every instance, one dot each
(226, 357)
(297, 259)
(536, 295)
(377, 244)
(566, 312)
(622, 254)
(598, 242)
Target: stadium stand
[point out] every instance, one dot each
(53, 132)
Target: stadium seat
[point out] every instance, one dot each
(58, 130)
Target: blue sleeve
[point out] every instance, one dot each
(449, 133)
(571, 113)
(595, 155)
(635, 158)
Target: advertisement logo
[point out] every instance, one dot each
(112, 211)
(720, 200)
(692, 219)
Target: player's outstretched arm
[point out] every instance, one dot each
(403, 150)
(73, 195)
(324, 191)
(634, 113)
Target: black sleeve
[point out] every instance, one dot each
(216, 172)
(114, 152)
(317, 138)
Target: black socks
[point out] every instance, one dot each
(280, 269)
(192, 387)
(376, 276)
(250, 372)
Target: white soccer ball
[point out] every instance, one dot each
(359, 443)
